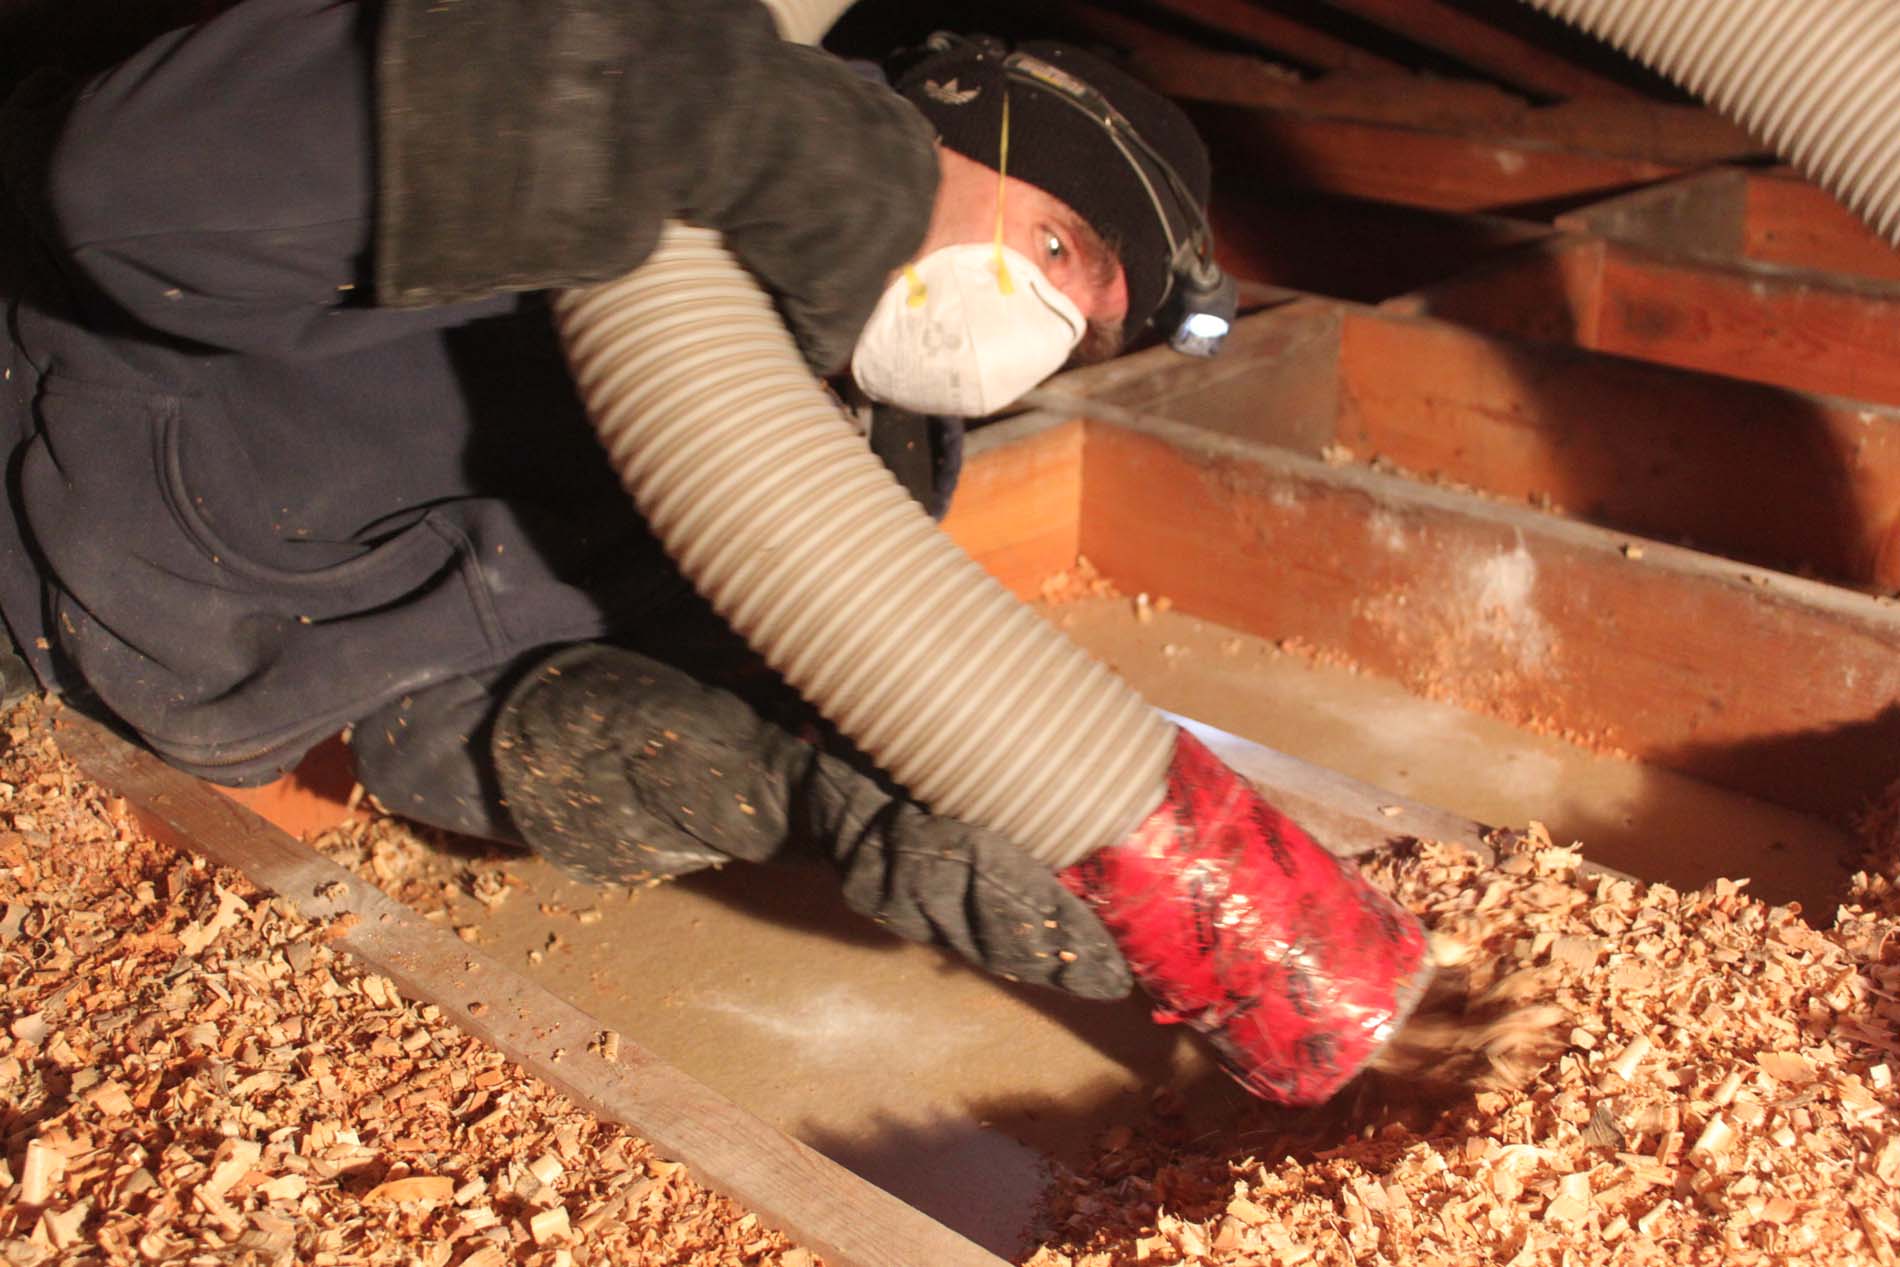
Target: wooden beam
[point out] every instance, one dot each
(1283, 35)
(1767, 475)
(1758, 473)
(1810, 331)
(1447, 171)
(1021, 518)
(1787, 220)
(803, 1193)
(1496, 52)
(1768, 684)
(1736, 215)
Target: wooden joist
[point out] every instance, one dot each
(1758, 472)
(1672, 656)
(1484, 47)
(1627, 643)
(1450, 171)
(1277, 33)
(788, 1185)
(1739, 215)
(1814, 332)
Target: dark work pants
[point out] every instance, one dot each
(248, 507)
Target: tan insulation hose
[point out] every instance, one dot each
(774, 507)
(770, 501)
(1818, 81)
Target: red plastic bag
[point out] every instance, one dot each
(1238, 923)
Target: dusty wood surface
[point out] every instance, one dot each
(1698, 215)
(789, 1185)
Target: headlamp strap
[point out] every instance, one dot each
(1002, 183)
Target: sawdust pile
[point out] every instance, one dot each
(189, 1073)
(1724, 1092)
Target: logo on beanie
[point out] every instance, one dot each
(950, 93)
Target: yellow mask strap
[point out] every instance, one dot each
(1002, 176)
(917, 293)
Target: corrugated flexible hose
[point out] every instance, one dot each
(776, 509)
(1817, 83)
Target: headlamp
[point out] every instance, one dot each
(1199, 309)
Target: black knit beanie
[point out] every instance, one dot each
(1059, 149)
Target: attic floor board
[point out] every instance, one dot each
(949, 1089)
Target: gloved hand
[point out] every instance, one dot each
(618, 767)
(529, 144)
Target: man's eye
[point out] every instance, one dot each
(1052, 246)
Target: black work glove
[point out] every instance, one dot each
(529, 144)
(618, 768)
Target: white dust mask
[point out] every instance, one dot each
(965, 331)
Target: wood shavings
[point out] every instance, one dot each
(1718, 1089)
(1073, 584)
(207, 1079)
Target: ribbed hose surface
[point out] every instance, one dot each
(1819, 83)
(775, 508)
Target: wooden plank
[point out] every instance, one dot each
(1020, 513)
(1797, 223)
(1809, 331)
(1768, 684)
(1493, 50)
(1545, 290)
(1697, 216)
(1758, 473)
(790, 1186)
(1277, 33)
(1351, 248)
(1416, 168)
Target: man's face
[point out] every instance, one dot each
(1043, 229)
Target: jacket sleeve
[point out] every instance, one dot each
(527, 144)
(218, 185)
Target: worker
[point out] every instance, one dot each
(292, 447)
